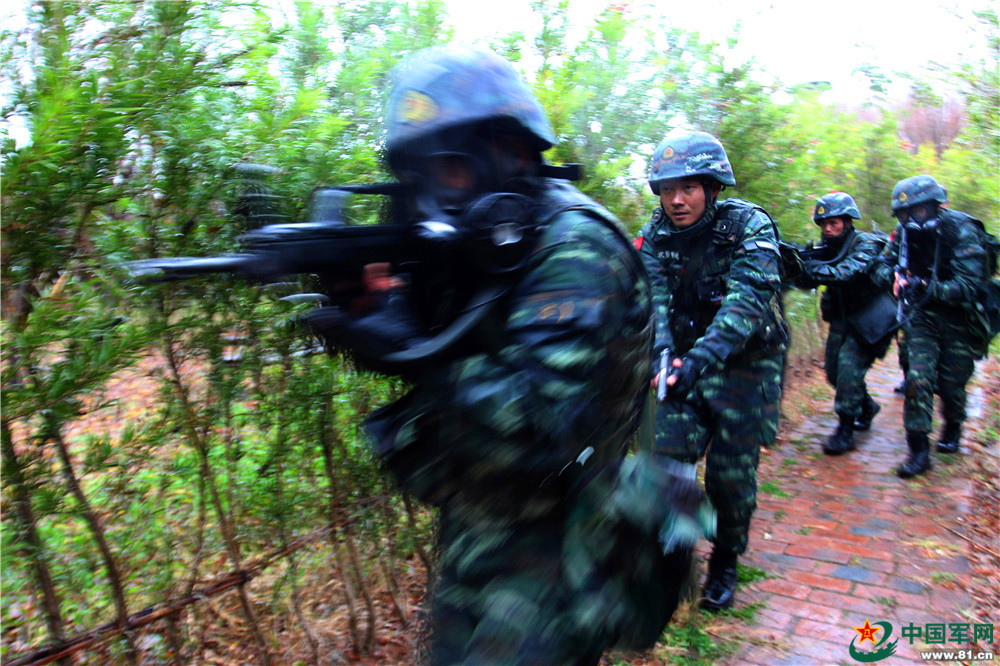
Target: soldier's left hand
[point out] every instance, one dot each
(387, 326)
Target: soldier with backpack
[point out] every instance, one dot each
(861, 316)
(938, 264)
(554, 544)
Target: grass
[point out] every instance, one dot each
(888, 602)
(690, 644)
(771, 488)
(942, 577)
(748, 574)
(805, 529)
(745, 613)
(701, 638)
(939, 546)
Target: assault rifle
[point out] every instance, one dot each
(902, 266)
(920, 275)
(794, 257)
(325, 245)
(497, 234)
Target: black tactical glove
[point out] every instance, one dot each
(812, 268)
(391, 326)
(693, 364)
(915, 289)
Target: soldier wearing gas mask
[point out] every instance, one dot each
(861, 316)
(935, 265)
(715, 269)
(517, 414)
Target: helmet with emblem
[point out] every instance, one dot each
(916, 190)
(683, 154)
(836, 204)
(454, 88)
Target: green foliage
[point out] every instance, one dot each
(137, 112)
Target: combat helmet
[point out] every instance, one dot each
(836, 204)
(453, 87)
(916, 190)
(683, 154)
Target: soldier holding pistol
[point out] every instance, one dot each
(715, 271)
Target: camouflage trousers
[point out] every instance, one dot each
(942, 349)
(502, 596)
(848, 358)
(903, 345)
(731, 413)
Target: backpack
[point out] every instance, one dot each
(989, 307)
(988, 241)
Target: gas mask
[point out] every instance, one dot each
(921, 221)
(461, 209)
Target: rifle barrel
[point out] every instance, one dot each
(167, 269)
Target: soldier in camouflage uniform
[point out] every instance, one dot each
(518, 432)
(715, 266)
(841, 264)
(942, 290)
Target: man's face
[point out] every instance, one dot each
(831, 227)
(684, 200)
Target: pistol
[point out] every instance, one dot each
(661, 384)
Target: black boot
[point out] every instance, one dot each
(900, 387)
(720, 586)
(919, 460)
(949, 437)
(869, 408)
(842, 439)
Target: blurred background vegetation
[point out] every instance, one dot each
(156, 440)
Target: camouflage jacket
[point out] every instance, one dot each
(849, 287)
(733, 307)
(961, 267)
(509, 430)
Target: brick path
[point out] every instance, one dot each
(843, 540)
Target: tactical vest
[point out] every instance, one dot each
(839, 301)
(696, 301)
(559, 197)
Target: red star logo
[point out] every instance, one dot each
(867, 632)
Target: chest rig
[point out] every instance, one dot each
(697, 269)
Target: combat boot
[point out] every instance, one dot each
(900, 387)
(842, 439)
(720, 585)
(949, 437)
(919, 460)
(869, 408)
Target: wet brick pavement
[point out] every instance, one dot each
(844, 540)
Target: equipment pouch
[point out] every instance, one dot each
(876, 321)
